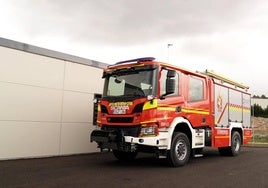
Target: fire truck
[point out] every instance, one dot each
(150, 106)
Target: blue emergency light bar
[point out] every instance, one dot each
(136, 60)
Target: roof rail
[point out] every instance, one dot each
(224, 79)
(136, 60)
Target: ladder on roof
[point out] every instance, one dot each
(224, 79)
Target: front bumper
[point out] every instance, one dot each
(160, 141)
(108, 139)
(103, 136)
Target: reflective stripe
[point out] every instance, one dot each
(238, 108)
(151, 121)
(166, 108)
(195, 111)
(222, 136)
(153, 104)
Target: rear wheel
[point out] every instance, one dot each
(124, 156)
(180, 151)
(235, 147)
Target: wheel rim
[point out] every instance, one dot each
(180, 149)
(236, 144)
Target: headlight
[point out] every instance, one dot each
(149, 131)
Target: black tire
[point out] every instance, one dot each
(180, 150)
(124, 156)
(235, 147)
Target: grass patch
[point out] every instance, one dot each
(260, 138)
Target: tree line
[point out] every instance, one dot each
(258, 111)
(260, 97)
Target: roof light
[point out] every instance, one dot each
(137, 60)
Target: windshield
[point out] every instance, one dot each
(130, 83)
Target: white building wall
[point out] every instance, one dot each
(46, 105)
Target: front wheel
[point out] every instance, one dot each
(180, 150)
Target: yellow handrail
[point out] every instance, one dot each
(224, 79)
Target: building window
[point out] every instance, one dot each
(97, 97)
(196, 89)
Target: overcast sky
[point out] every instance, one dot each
(227, 36)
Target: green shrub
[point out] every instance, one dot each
(260, 138)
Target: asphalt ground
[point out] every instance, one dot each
(249, 169)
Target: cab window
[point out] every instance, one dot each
(196, 89)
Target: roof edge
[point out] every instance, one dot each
(49, 53)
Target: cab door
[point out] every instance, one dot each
(197, 107)
(169, 103)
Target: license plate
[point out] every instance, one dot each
(119, 111)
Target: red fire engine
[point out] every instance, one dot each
(150, 106)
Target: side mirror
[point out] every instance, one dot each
(170, 83)
(171, 73)
(170, 86)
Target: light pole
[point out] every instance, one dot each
(168, 46)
